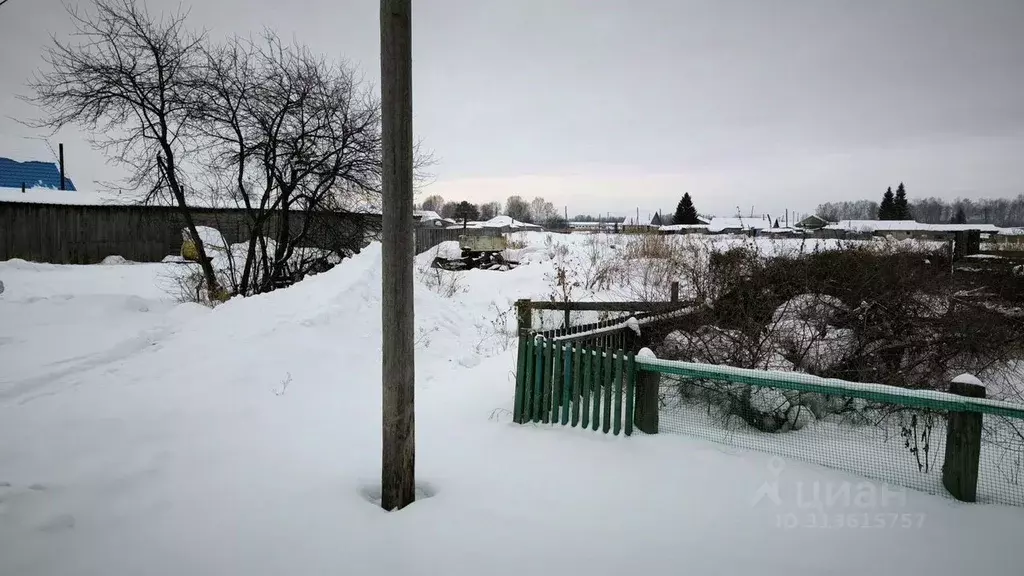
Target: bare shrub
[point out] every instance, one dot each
(186, 282)
(447, 283)
(600, 264)
(497, 333)
(562, 281)
(881, 312)
(648, 264)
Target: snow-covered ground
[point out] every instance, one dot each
(141, 436)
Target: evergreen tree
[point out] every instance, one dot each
(960, 217)
(887, 209)
(901, 208)
(776, 225)
(685, 211)
(466, 211)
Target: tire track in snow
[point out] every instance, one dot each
(50, 383)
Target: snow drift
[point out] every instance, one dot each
(155, 438)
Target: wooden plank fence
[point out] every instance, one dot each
(586, 375)
(427, 238)
(571, 384)
(86, 234)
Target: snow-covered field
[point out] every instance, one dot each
(142, 436)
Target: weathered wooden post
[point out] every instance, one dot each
(524, 317)
(645, 409)
(675, 291)
(398, 482)
(959, 244)
(963, 444)
(973, 242)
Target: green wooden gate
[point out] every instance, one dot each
(569, 383)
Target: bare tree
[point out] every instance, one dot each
(300, 139)
(489, 210)
(449, 209)
(517, 208)
(130, 81)
(433, 203)
(541, 210)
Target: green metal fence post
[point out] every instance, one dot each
(645, 415)
(963, 446)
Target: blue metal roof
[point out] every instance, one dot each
(14, 174)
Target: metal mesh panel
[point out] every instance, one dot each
(880, 432)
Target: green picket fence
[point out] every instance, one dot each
(565, 382)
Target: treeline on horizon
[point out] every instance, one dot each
(1004, 212)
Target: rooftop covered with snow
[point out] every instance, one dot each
(905, 226)
(723, 224)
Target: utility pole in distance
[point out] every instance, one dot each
(398, 463)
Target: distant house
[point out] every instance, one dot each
(738, 225)
(661, 219)
(431, 219)
(580, 226)
(1013, 236)
(32, 174)
(904, 229)
(503, 224)
(684, 229)
(812, 222)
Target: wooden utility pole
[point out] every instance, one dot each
(398, 480)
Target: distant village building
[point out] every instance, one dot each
(738, 225)
(812, 222)
(431, 219)
(903, 229)
(684, 229)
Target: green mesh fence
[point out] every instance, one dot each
(880, 432)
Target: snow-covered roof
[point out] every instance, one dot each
(960, 227)
(721, 224)
(677, 227)
(905, 226)
(507, 222)
(592, 224)
(426, 215)
(40, 195)
(812, 218)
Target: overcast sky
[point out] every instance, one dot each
(620, 105)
